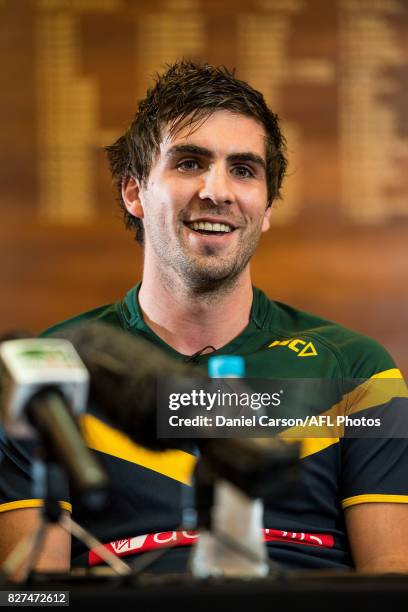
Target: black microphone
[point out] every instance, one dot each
(49, 412)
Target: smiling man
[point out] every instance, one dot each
(197, 173)
(203, 206)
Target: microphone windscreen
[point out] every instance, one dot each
(124, 372)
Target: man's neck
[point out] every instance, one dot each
(189, 321)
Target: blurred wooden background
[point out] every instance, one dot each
(71, 72)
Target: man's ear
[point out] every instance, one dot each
(131, 197)
(266, 223)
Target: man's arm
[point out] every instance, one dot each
(16, 524)
(378, 536)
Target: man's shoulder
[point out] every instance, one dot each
(108, 313)
(358, 354)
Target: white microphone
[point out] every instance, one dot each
(44, 386)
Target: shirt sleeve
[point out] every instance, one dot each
(375, 469)
(18, 487)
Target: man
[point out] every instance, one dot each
(197, 172)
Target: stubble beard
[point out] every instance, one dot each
(209, 274)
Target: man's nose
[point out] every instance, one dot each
(217, 186)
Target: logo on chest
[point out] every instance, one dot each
(299, 346)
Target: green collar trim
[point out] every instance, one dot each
(133, 321)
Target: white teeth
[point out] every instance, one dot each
(210, 227)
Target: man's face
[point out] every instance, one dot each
(204, 205)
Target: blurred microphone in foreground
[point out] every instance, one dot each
(44, 387)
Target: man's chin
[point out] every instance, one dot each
(207, 279)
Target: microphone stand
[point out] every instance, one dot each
(47, 475)
(221, 506)
(232, 478)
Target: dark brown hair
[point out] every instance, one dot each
(186, 94)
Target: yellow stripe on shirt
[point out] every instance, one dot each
(31, 503)
(374, 498)
(179, 465)
(99, 436)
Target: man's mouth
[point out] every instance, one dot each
(207, 228)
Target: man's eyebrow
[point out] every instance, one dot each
(191, 149)
(247, 156)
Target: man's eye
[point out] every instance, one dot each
(188, 164)
(242, 171)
